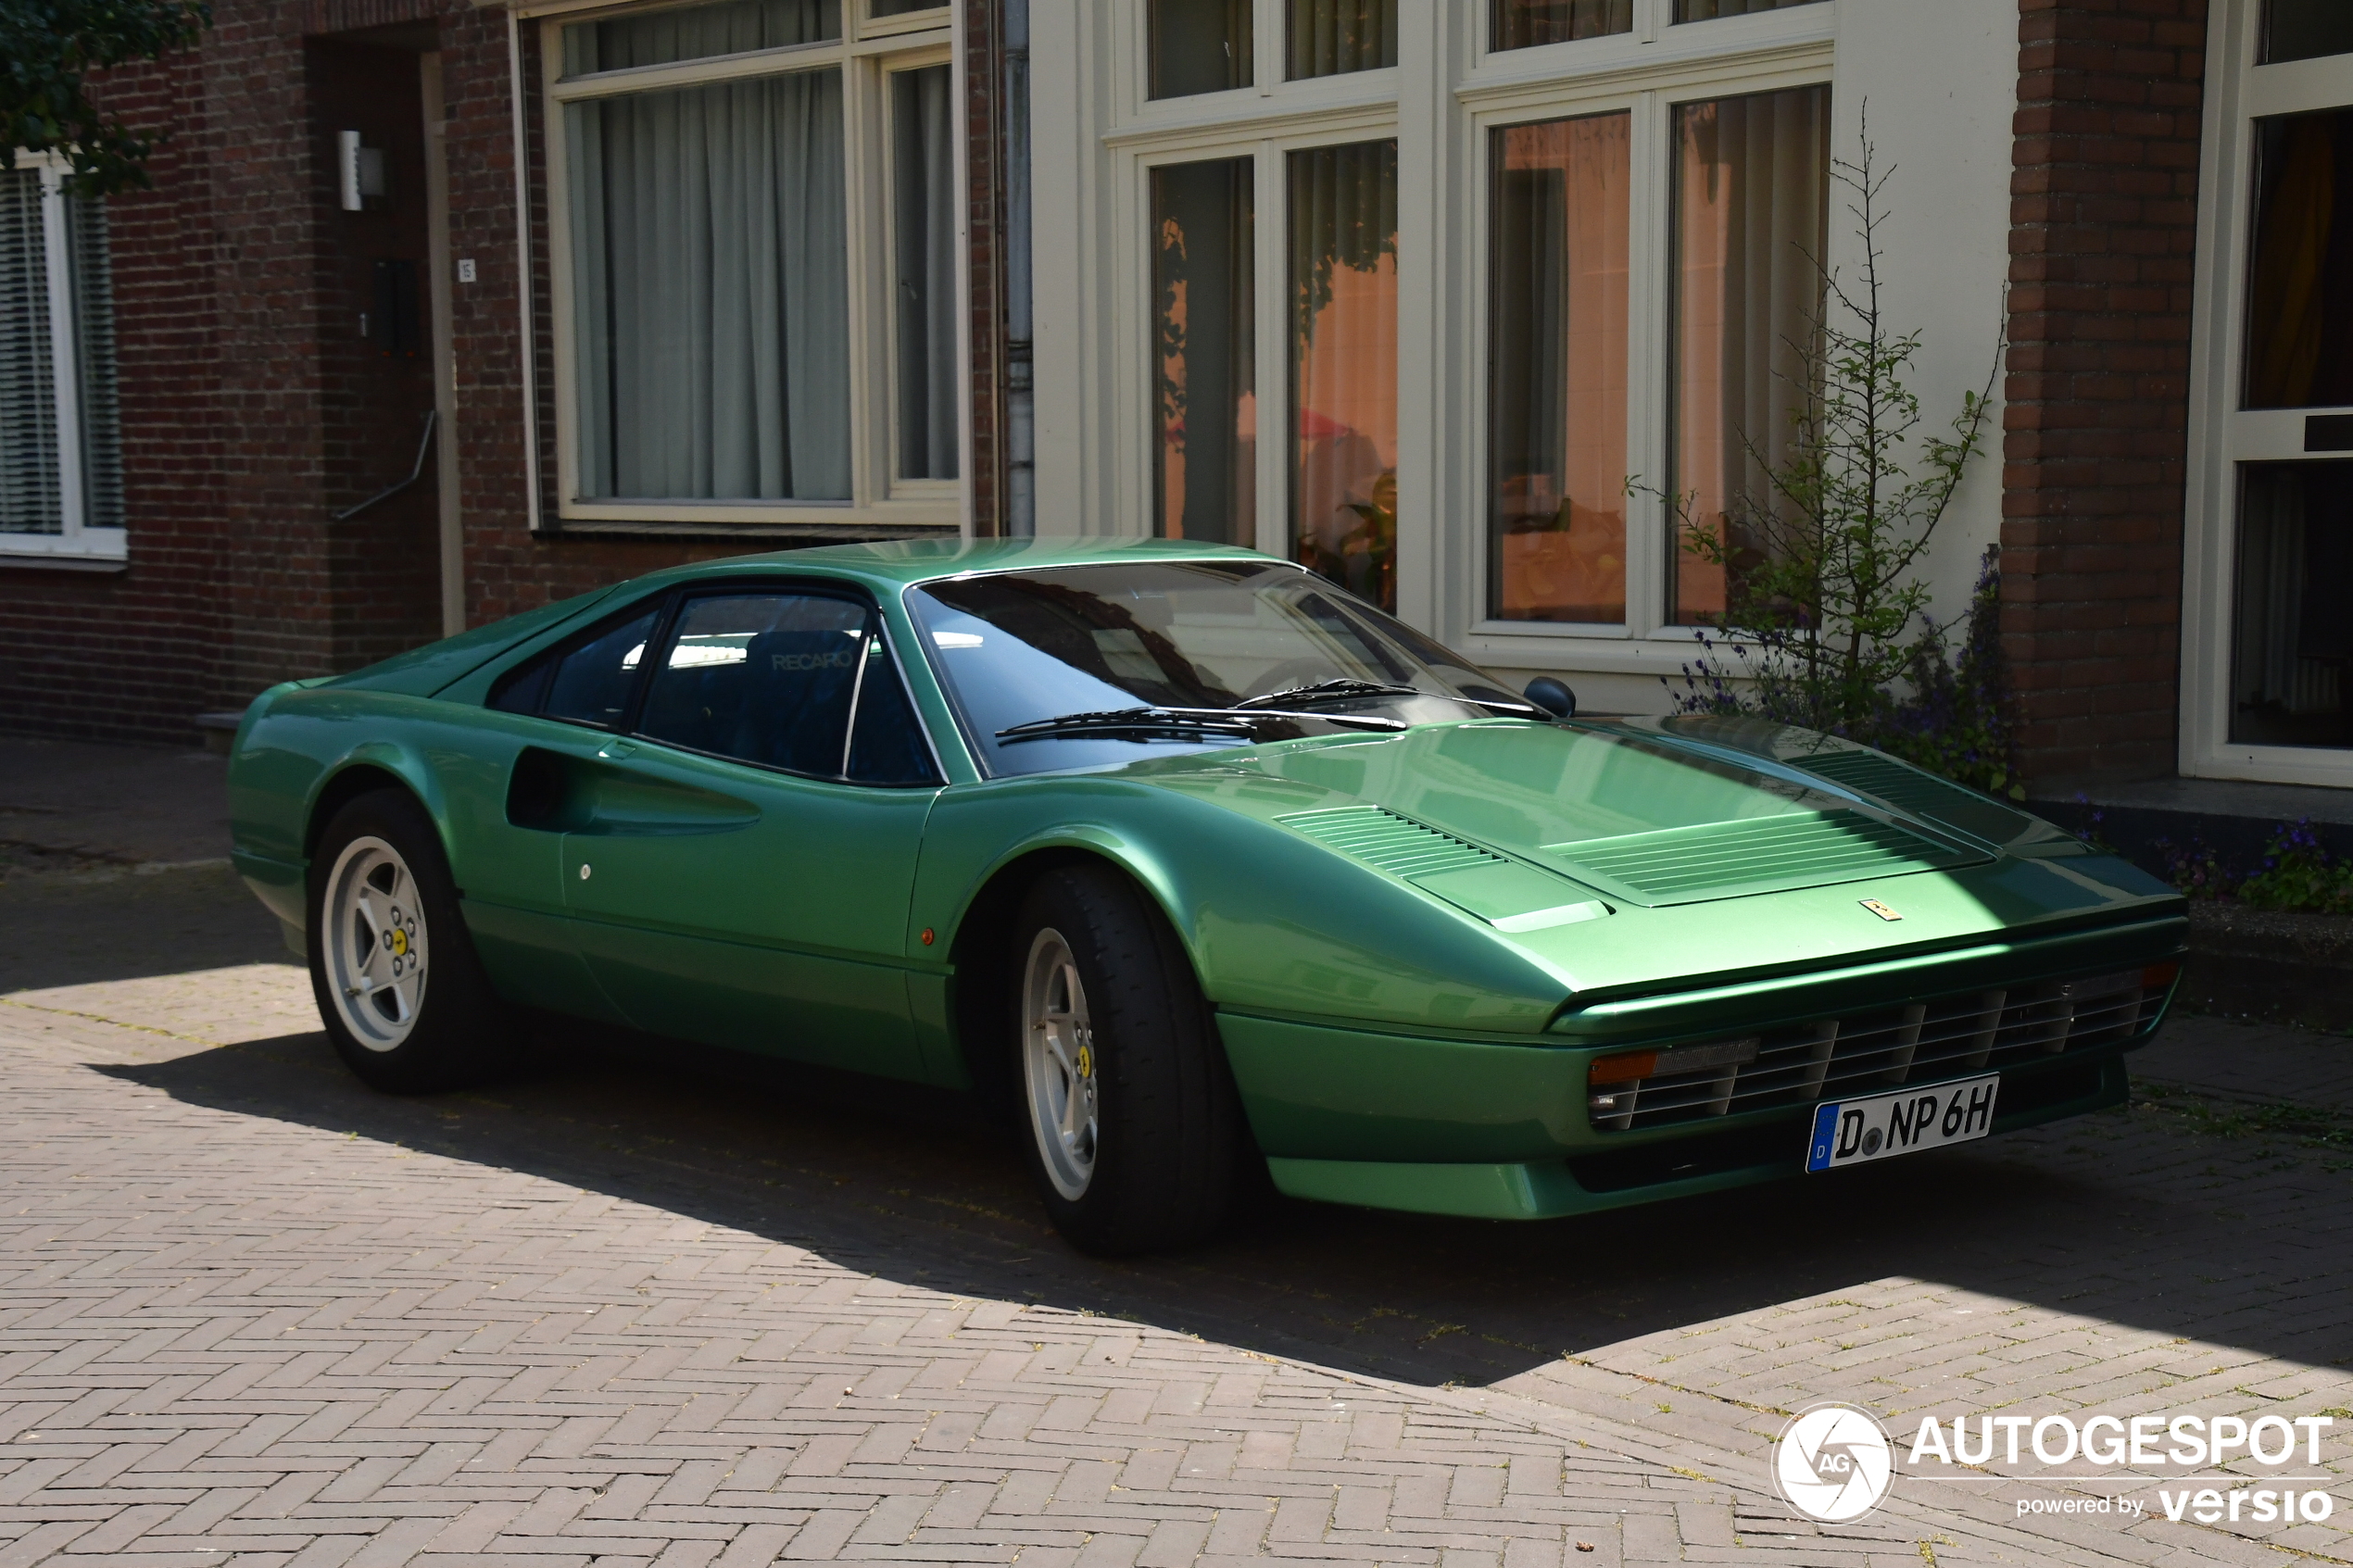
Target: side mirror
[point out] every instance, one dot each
(1554, 697)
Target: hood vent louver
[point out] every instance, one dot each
(1917, 794)
(1399, 845)
(1755, 855)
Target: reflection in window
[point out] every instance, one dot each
(1205, 462)
(1708, 10)
(901, 8)
(923, 235)
(2305, 29)
(1342, 286)
(1558, 356)
(36, 402)
(2292, 637)
(2299, 319)
(1751, 178)
(768, 678)
(709, 249)
(699, 33)
(1199, 46)
(1526, 24)
(1334, 37)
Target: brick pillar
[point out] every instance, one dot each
(2103, 237)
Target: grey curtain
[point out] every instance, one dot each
(699, 33)
(1204, 327)
(1708, 10)
(1526, 24)
(709, 237)
(924, 223)
(1334, 37)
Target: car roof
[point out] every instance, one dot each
(896, 563)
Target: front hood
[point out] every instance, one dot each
(1632, 855)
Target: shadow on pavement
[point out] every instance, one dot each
(83, 929)
(2111, 1216)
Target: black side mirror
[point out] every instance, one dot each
(1554, 697)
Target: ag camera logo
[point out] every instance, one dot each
(1833, 1463)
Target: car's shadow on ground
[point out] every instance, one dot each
(2102, 1215)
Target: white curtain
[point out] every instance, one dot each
(709, 237)
(924, 223)
(1752, 203)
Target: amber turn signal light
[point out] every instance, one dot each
(1621, 1068)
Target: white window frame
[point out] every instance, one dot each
(2223, 434)
(868, 49)
(1441, 102)
(78, 545)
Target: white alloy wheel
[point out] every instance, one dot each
(1058, 1062)
(374, 943)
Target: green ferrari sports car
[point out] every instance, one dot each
(1190, 861)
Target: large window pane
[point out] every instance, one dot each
(34, 466)
(1751, 178)
(1525, 24)
(2299, 319)
(1557, 363)
(924, 234)
(1205, 461)
(1199, 46)
(2304, 29)
(1334, 37)
(2293, 639)
(1708, 10)
(1343, 329)
(708, 244)
(30, 497)
(698, 32)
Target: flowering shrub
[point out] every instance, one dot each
(2195, 868)
(1958, 721)
(2298, 874)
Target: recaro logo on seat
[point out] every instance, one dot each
(811, 660)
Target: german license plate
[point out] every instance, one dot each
(1848, 1132)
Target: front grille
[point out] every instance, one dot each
(1864, 1053)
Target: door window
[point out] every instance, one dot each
(591, 683)
(797, 682)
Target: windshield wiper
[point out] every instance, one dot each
(1337, 689)
(1158, 720)
(1347, 686)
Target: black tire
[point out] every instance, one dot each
(456, 1030)
(1168, 1135)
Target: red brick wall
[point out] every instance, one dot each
(105, 652)
(252, 412)
(2103, 215)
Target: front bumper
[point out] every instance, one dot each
(1510, 1128)
(1763, 1149)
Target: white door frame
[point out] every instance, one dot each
(2223, 434)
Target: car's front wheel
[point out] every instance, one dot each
(1136, 1134)
(403, 996)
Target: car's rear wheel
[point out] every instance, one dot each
(399, 988)
(1136, 1134)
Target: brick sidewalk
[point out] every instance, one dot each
(255, 1313)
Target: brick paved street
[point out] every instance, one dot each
(628, 1310)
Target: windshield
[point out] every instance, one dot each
(1017, 649)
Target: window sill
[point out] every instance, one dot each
(95, 549)
(849, 530)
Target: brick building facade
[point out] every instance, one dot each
(253, 410)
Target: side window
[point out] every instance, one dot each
(590, 684)
(887, 741)
(585, 682)
(768, 678)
